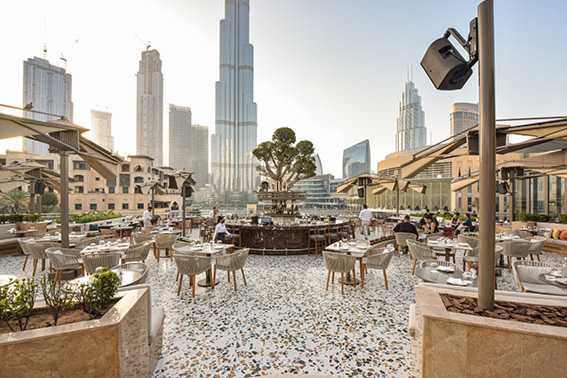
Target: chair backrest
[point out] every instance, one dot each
(522, 233)
(339, 262)
(88, 241)
(380, 260)
(141, 237)
(104, 259)
(187, 264)
(165, 240)
(420, 251)
(403, 237)
(536, 247)
(137, 252)
(25, 245)
(518, 248)
(529, 271)
(470, 240)
(37, 249)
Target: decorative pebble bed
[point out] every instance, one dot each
(284, 321)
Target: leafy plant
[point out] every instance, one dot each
(16, 303)
(98, 294)
(284, 161)
(58, 297)
(49, 201)
(18, 218)
(94, 216)
(15, 201)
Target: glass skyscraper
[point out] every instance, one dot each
(411, 133)
(356, 159)
(463, 116)
(232, 163)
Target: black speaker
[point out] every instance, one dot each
(360, 192)
(445, 66)
(38, 188)
(473, 142)
(502, 187)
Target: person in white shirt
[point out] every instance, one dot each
(214, 215)
(147, 217)
(365, 217)
(220, 230)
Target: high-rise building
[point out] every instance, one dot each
(199, 157)
(356, 159)
(49, 89)
(101, 129)
(411, 133)
(463, 115)
(179, 136)
(318, 165)
(232, 162)
(149, 117)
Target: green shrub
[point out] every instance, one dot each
(58, 296)
(18, 218)
(16, 303)
(94, 216)
(562, 218)
(98, 294)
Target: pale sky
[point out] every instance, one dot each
(332, 70)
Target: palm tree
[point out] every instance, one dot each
(14, 202)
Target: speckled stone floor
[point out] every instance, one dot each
(284, 322)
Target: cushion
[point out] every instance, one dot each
(563, 235)
(555, 233)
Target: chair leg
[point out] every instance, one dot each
(414, 263)
(243, 277)
(229, 279)
(42, 265)
(234, 278)
(385, 279)
(179, 284)
(193, 287)
(25, 262)
(177, 277)
(333, 278)
(213, 278)
(531, 256)
(362, 274)
(328, 279)
(537, 256)
(34, 266)
(354, 278)
(342, 284)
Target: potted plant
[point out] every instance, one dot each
(16, 303)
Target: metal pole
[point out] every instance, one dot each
(397, 198)
(487, 115)
(183, 210)
(64, 172)
(152, 200)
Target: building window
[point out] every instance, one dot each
(124, 180)
(93, 206)
(138, 180)
(79, 178)
(138, 189)
(78, 206)
(111, 206)
(111, 189)
(97, 178)
(125, 168)
(80, 165)
(79, 189)
(125, 189)
(141, 206)
(124, 206)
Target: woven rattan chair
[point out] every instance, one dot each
(519, 249)
(419, 252)
(142, 237)
(87, 241)
(338, 263)
(402, 238)
(26, 250)
(137, 252)
(379, 259)
(191, 266)
(522, 234)
(37, 251)
(526, 274)
(163, 241)
(470, 256)
(107, 233)
(92, 261)
(317, 239)
(64, 259)
(536, 248)
(231, 263)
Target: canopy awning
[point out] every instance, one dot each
(99, 158)
(427, 157)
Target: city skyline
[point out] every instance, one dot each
(411, 133)
(338, 79)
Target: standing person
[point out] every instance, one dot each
(147, 218)
(220, 230)
(365, 217)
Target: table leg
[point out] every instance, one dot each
(208, 281)
(362, 274)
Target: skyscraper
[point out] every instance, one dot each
(463, 116)
(179, 136)
(49, 89)
(199, 157)
(232, 163)
(318, 165)
(411, 133)
(356, 159)
(101, 129)
(149, 107)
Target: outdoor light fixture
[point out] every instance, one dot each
(445, 66)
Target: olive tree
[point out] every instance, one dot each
(283, 160)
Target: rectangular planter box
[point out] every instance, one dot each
(115, 345)
(448, 344)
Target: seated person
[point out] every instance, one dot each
(431, 226)
(467, 223)
(455, 221)
(221, 233)
(406, 226)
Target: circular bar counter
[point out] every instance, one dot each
(290, 239)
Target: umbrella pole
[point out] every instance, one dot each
(183, 210)
(64, 199)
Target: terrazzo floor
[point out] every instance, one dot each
(283, 322)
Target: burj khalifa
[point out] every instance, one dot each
(232, 163)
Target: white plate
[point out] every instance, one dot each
(457, 282)
(446, 269)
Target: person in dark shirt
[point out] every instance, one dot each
(468, 222)
(406, 226)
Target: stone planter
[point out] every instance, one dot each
(115, 345)
(448, 344)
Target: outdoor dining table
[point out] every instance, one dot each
(117, 246)
(355, 249)
(429, 271)
(549, 285)
(127, 276)
(6, 279)
(208, 250)
(449, 246)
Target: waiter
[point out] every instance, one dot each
(365, 217)
(147, 218)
